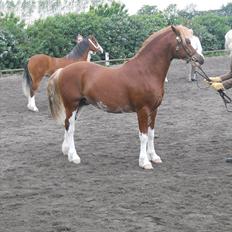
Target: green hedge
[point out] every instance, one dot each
(119, 34)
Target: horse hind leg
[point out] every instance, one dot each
(68, 146)
(28, 89)
(144, 162)
(151, 153)
(31, 104)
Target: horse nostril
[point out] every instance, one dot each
(194, 58)
(202, 60)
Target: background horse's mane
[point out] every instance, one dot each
(184, 33)
(78, 50)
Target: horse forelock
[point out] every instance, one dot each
(185, 33)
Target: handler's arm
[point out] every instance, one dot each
(227, 76)
(227, 83)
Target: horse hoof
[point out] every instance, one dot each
(76, 161)
(65, 150)
(34, 109)
(147, 167)
(157, 161)
(229, 160)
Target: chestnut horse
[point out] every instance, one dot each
(136, 86)
(42, 65)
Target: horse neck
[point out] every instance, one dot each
(155, 58)
(80, 51)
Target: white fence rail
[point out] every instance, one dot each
(108, 62)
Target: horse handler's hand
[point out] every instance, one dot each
(217, 86)
(215, 79)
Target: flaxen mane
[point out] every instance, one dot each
(184, 33)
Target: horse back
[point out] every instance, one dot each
(44, 65)
(111, 89)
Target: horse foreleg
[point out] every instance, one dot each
(144, 162)
(152, 156)
(31, 104)
(68, 146)
(65, 144)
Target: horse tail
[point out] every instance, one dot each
(27, 82)
(55, 99)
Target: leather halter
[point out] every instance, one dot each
(190, 55)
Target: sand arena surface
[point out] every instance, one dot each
(190, 191)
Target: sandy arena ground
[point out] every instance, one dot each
(191, 191)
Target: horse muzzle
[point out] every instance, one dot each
(198, 59)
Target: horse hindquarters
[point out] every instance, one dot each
(62, 116)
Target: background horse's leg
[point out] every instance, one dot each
(68, 146)
(143, 136)
(28, 85)
(152, 156)
(34, 86)
(31, 104)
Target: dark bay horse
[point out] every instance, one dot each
(42, 65)
(136, 86)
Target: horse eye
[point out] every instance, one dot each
(188, 41)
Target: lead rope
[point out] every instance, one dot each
(226, 99)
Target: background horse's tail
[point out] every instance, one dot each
(55, 99)
(27, 82)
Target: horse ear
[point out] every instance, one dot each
(191, 31)
(79, 38)
(175, 30)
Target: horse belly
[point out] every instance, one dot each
(114, 108)
(109, 101)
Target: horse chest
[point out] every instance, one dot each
(154, 97)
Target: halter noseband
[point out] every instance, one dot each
(98, 47)
(189, 53)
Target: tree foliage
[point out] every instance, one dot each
(12, 42)
(105, 10)
(119, 33)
